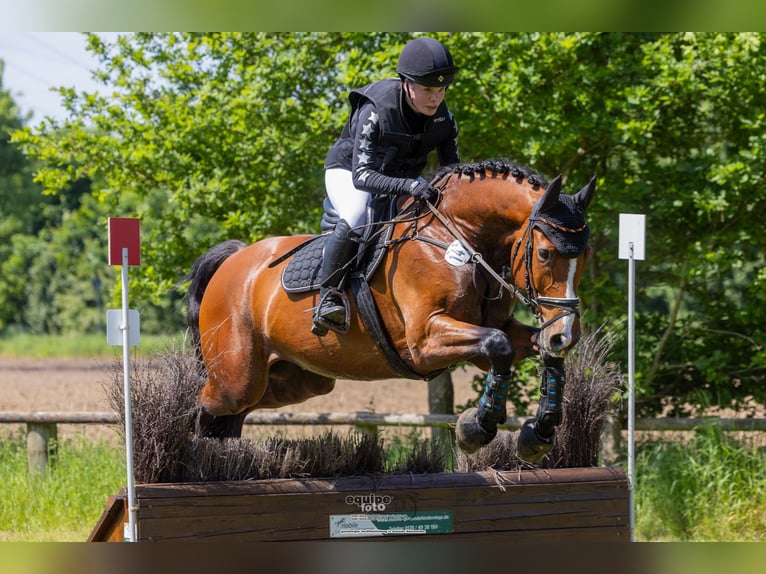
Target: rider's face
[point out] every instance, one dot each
(424, 99)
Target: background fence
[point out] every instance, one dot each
(42, 426)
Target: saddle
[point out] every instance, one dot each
(302, 272)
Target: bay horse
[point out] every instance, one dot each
(450, 276)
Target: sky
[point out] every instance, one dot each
(35, 62)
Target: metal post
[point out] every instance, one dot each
(131, 534)
(631, 387)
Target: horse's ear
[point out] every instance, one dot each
(583, 197)
(550, 197)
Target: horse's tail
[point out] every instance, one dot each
(200, 274)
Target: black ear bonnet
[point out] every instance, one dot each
(564, 225)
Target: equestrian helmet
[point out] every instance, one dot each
(427, 62)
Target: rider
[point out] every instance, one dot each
(382, 150)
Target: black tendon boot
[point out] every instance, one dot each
(339, 248)
(550, 409)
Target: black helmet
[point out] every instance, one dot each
(426, 61)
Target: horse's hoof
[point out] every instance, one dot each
(469, 433)
(531, 447)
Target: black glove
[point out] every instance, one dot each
(423, 190)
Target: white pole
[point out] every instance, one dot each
(131, 534)
(631, 388)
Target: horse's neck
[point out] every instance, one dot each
(489, 224)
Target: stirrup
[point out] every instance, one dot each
(321, 325)
(318, 328)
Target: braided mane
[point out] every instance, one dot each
(493, 168)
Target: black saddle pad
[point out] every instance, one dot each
(302, 273)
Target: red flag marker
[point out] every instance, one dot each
(124, 232)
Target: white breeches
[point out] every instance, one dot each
(350, 202)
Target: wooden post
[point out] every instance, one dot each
(611, 440)
(441, 400)
(366, 429)
(42, 446)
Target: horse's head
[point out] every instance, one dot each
(548, 259)
(546, 233)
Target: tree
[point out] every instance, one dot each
(671, 125)
(217, 136)
(50, 261)
(19, 209)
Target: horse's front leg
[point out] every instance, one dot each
(523, 337)
(537, 435)
(477, 426)
(447, 341)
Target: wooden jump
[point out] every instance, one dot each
(589, 504)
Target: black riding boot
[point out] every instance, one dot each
(339, 248)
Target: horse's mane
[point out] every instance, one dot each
(493, 168)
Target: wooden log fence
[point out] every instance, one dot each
(42, 426)
(554, 505)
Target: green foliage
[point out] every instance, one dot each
(208, 137)
(218, 136)
(19, 204)
(712, 489)
(66, 502)
(671, 126)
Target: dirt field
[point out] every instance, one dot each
(77, 385)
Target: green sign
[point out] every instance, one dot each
(390, 524)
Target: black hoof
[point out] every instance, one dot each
(469, 433)
(531, 447)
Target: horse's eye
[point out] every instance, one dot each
(544, 254)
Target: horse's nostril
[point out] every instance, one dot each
(559, 342)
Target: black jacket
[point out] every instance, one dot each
(385, 144)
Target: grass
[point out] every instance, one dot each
(63, 504)
(24, 345)
(710, 489)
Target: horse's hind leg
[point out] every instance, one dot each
(236, 379)
(289, 384)
(229, 426)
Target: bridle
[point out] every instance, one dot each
(568, 305)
